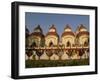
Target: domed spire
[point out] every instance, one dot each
(67, 31)
(52, 28)
(81, 30)
(67, 28)
(52, 31)
(81, 27)
(38, 29)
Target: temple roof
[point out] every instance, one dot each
(81, 30)
(67, 31)
(67, 27)
(38, 29)
(51, 32)
(52, 27)
(82, 33)
(36, 34)
(80, 27)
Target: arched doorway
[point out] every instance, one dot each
(86, 43)
(51, 44)
(34, 44)
(68, 44)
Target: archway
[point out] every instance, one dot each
(51, 44)
(34, 44)
(86, 43)
(68, 44)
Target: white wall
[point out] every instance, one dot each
(5, 40)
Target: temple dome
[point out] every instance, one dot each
(38, 31)
(67, 31)
(52, 31)
(81, 30)
(52, 28)
(67, 28)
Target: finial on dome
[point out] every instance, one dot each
(38, 29)
(67, 26)
(53, 25)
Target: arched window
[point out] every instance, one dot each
(33, 44)
(68, 44)
(51, 44)
(86, 43)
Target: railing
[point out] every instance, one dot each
(58, 48)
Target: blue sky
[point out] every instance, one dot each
(45, 20)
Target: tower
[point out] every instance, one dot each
(52, 38)
(67, 36)
(36, 37)
(82, 35)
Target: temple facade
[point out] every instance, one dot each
(51, 46)
(52, 38)
(36, 38)
(68, 37)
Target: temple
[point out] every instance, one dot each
(51, 46)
